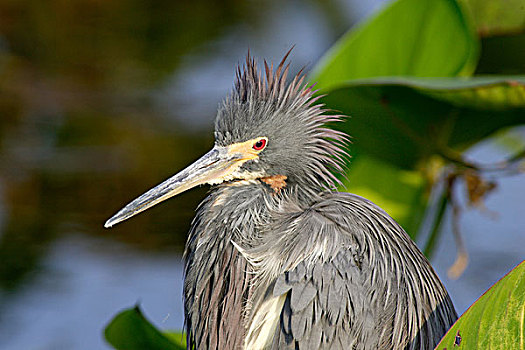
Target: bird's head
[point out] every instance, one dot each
(266, 129)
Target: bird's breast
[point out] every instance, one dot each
(217, 275)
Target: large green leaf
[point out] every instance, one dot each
(179, 338)
(497, 17)
(424, 38)
(496, 320)
(130, 330)
(482, 92)
(404, 121)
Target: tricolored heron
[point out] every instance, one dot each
(276, 258)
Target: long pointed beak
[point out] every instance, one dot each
(211, 168)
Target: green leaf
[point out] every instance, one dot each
(405, 121)
(423, 38)
(178, 338)
(496, 93)
(401, 193)
(497, 17)
(496, 320)
(130, 330)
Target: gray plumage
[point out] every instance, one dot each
(347, 274)
(276, 259)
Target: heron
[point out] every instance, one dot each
(276, 258)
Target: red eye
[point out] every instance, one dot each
(259, 145)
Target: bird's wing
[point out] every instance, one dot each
(308, 287)
(325, 293)
(358, 282)
(321, 303)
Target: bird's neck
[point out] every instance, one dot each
(218, 279)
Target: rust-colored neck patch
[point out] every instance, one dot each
(277, 182)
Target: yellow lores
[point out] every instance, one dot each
(249, 149)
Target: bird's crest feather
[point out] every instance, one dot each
(263, 103)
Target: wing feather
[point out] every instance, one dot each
(353, 275)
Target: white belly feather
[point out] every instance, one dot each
(262, 329)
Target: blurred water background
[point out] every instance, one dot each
(100, 100)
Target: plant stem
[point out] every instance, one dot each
(436, 226)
